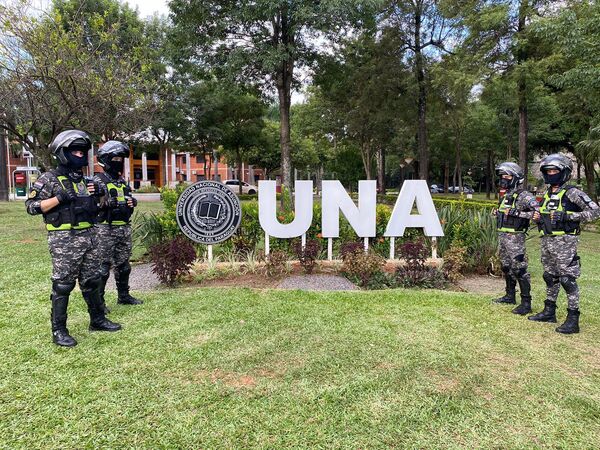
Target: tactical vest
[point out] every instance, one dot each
(558, 202)
(510, 224)
(76, 215)
(120, 214)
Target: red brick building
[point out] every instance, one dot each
(163, 168)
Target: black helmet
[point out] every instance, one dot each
(512, 169)
(560, 162)
(110, 150)
(70, 140)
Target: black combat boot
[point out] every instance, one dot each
(91, 295)
(509, 297)
(525, 306)
(122, 281)
(571, 325)
(103, 282)
(58, 314)
(547, 315)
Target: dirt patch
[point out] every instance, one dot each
(252, 280)
(27, 241)
(444, 383)
(482, 284)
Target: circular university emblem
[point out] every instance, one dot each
(208, 212)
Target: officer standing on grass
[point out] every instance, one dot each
(563, 209)
(514, 212)
(68, 204)
(114, 231)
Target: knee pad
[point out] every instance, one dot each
(519, 274)
(569, 284)
(63, 287)
(506, 269)
(91, 283)
(105, 270)
(550, 279)
(124, 269)
(520, 258)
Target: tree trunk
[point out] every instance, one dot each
(421, 102)
(454, 183)
(239, 171)
(365, 153)
(522, 90)
(4, 173)
(381, 170)
(458, 163)
(284, 36)
(319, 178)
(488, 175)
(590, 179)
(446, 175)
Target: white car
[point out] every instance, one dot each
(234, 185)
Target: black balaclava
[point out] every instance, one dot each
(76, 162)
(504, 183)
(553, 180)
(115, 168)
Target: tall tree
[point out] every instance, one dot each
(263, 41)
(51, 78)
(424, 28)
(500, 37)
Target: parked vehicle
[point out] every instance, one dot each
(436, 189)
(234, 185)
(456, 189)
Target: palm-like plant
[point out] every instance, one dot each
(588, 151)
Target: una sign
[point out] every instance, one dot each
(361, 217)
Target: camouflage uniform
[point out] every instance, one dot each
(512, 245)
(515, 211)
(74, 252)
(73, 247)
(562, 265)
(114, 235)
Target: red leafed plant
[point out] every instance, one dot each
(172, 258)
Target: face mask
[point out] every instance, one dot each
(76, 162)
(553, 180)
(115, 168)
(504, 183)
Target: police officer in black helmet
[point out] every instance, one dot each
(68, 203)
(564, 208)
(114, 231)
(514, 212)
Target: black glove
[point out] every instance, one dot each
(513, 212)
(66, 196)
(113, 202)
(559, 217)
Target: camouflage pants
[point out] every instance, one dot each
(561, 266)
(114, 244)
(513, 255)
(74, 255)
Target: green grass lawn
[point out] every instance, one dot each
(207, 368)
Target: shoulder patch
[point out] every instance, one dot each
(33, 193)
(38, 184)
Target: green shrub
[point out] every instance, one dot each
(151, 189)
(475, 229)
(454, 261)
